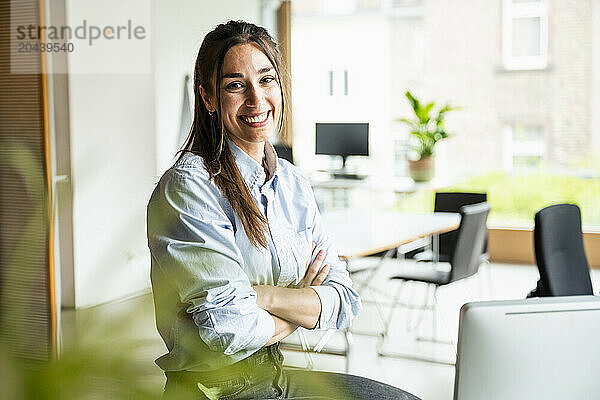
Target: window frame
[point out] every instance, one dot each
(512, 147)
(512, 11)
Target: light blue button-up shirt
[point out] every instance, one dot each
(203, 265)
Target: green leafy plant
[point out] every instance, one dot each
(428, 129)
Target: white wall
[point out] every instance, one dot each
(178, 33)
(112, 169)
(113, 165)
(124, 129)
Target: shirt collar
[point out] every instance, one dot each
(252, 172)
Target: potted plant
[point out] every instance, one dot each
(427, 130)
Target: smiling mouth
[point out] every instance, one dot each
(257, 120)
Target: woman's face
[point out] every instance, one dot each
(250, 96)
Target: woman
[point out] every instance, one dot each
(239, 257)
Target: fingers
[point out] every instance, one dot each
(303, 282)
(312, 251)
(321, 276)
(314, 268)
(315, 275)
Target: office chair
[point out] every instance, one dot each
(452, 202)
(465, 261)
(559, 253)
(284, 151)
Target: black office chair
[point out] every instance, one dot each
(559, 253)
(452, 202)
(284, 151)
(465, 261)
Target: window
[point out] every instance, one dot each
(527, 139)
(524, 147)
(525, 34)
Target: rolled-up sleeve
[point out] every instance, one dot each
(340, 303)
(192, 241)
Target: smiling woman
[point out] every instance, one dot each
(240, 259)
(251, 98)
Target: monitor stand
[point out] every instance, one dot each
(342, 174)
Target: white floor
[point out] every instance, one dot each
(130, 324)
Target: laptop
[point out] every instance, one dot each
(542, 348)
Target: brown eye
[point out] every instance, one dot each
(234, 85)
(267, 79)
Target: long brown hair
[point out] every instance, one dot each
(207, 135)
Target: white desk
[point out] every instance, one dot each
(359, 233)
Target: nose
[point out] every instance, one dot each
(254, 96)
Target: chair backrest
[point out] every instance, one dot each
(452, 202)
(284, 151)
(469, 244)
(559, 252)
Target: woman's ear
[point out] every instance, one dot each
(208, 101)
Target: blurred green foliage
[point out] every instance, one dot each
(105, 354)
(514, 199)
(80, 373)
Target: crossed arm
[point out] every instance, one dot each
(293, 307)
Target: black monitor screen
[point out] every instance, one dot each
(344, 139)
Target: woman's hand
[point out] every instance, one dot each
(300, 305)
(264, 296)
(314, 275)
(283, 329)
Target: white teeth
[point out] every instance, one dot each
(256, 119)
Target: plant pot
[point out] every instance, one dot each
(421, 170)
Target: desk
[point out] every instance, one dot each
(359, 233)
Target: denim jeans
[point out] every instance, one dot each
(261, 376)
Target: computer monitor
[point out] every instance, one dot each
(540, 348)
(342, 139)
